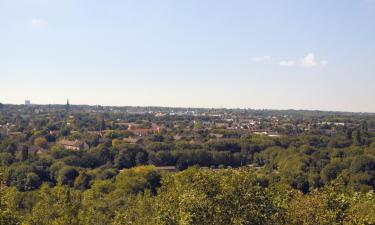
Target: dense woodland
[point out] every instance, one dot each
(318, 169)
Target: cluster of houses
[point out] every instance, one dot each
(141, 132)
(74, 145)
(182, 124)
(66, 144)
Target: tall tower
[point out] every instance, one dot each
(67, 105)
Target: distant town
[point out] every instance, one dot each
(143, 155)
(142, 122)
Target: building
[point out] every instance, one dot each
(67, 106)
(74, 145)
(217, 135)
(166, 168)
(275, 135)
(142, 132)
(27, 102)
(132, 140)
(35, 150)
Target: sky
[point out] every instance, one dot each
(269, 54)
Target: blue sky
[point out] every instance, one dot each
(279, 54)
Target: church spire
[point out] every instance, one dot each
(67, 105)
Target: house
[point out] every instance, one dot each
(54, 132)
(74, 145)
(166, 168)
(221, 125)
(141, 132)
(217, 135)
(177, 137)
(132, 140)
(275, 135)
(14, 134)
(36, 150)
(160, 114)
(122, 124)
(259, 131)
(329, 131)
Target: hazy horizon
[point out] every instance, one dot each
(187, 106)
(308, 55)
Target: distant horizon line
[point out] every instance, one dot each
(196, 107)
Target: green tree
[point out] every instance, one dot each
(24, 153)
(362, 210)
(358, 138)
(98, 206)
(59, 205)
(331, 171)
(82, 182)
(349, 134)
(137, 179)
(7, 216)
(32, 181)
(102, 124)
(17, 175)
(6, 159)
(326, 207)
(67, 175)
(41, 142)
(208, 197)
